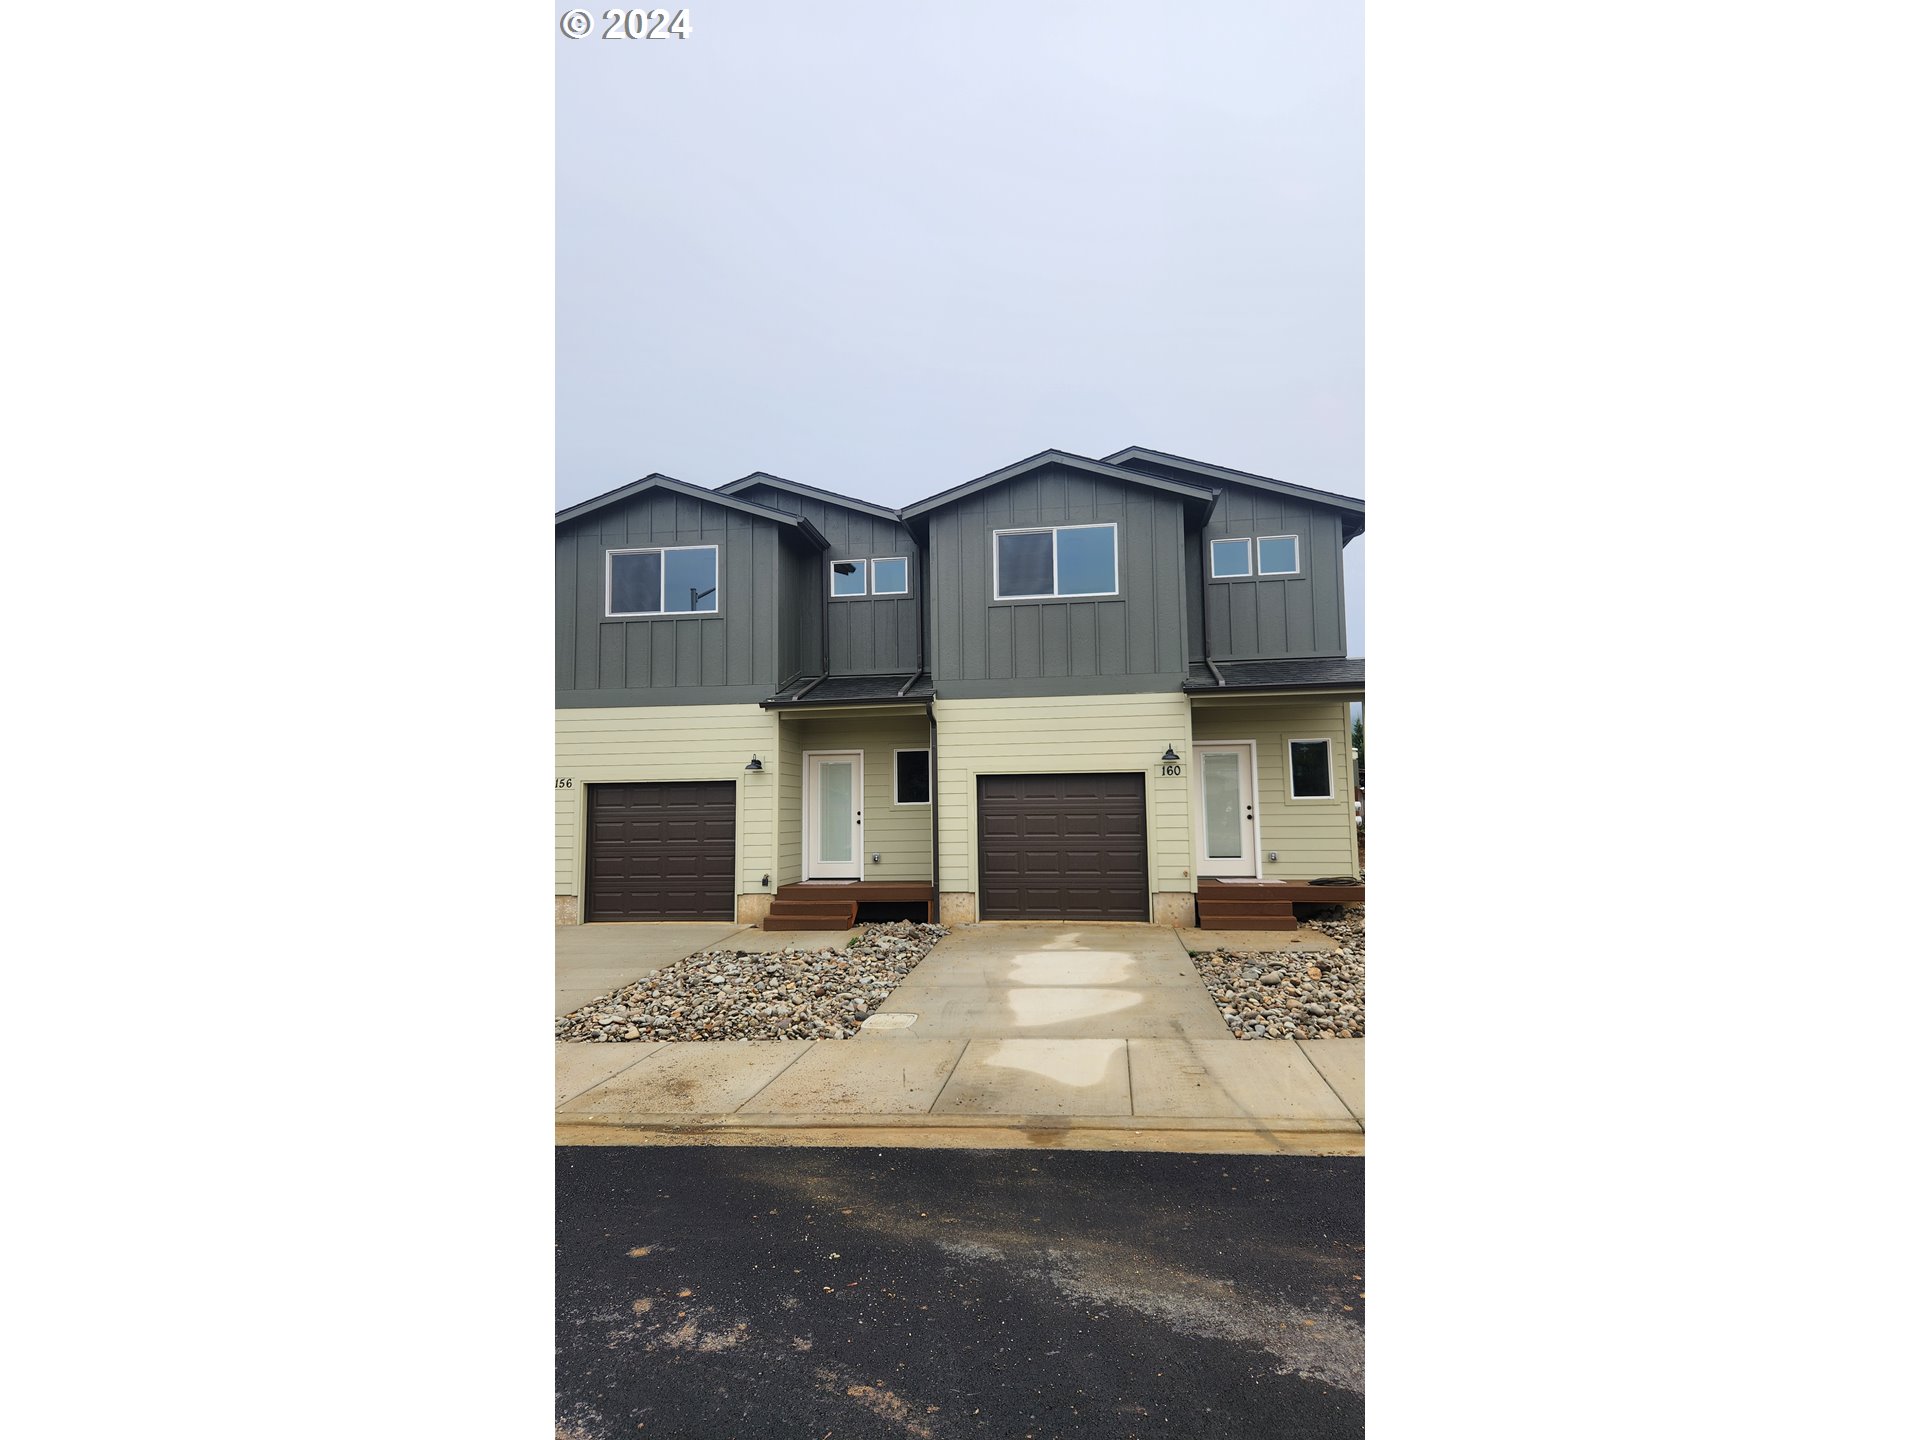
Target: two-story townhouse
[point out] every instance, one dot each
(1071, 689)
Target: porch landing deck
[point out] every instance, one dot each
(1265, 904)
(834, 904)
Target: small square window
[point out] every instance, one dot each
(912, 782)
(849, 577)
(890, 576)
(1232, 559)
(1279, 554)
(1310, 766)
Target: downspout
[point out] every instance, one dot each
(933, 794)
(1206, 626)
(919, 630)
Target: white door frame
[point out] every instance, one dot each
(1250, 866)
(807, 798)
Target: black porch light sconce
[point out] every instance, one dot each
(754, 767)
(1172, 756)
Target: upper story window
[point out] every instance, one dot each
(1061, 561)
(1232, 559)
(849, 577)
(1279, 554)
(886, 575)
(670, 580)
(1236, 558)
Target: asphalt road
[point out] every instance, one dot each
(840, 1294)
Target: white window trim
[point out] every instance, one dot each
(1054, 530)
(1296, 554)
(663, 613)
(913, 750)
(1214, 573)
(873, 583)
(1333, 779)
(866, 576)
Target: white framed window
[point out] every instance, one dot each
(1279, 554)
(912, 778)
(1232, 559)
(1310, 769)
(890, 575)
(1056, 562)
(663, 580)
(847, 578)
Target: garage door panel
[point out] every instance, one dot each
(661, 851)
(1065, 847)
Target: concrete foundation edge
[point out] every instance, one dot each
(566, 909)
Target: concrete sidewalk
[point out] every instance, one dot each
(1092, 1036)
(1106, 1092)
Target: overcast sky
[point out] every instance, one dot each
(885, 248)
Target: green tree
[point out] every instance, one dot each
(1359, 751)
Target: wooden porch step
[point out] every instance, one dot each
(842, 921)
(810, 905)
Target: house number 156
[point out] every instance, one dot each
(564, 782)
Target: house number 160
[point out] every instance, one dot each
(1169, 769)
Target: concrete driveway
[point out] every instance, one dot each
(1059, 981)
(590, 960)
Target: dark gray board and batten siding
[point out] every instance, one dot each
(760, 636)
(870, 634)
(1270, 618)
(1135, 641)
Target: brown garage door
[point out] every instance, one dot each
(1063, 847)
(660, 852)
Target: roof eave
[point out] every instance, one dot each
(777, 482)
(1198, 495)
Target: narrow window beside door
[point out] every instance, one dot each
(1310, 766)
(911, 781)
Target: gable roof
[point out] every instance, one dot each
(812, 492)
(1199, 496)
(1353, 521)
(657, 481)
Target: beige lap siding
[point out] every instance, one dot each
(635, 744)
(1311, 837)
(1066, 734)
(902, 835)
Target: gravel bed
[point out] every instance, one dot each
(739, 995)
(1295, 994)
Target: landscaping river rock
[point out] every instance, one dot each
(738, 995)
(1297, 994)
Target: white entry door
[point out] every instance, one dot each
(833, 815)
(1229, 842)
